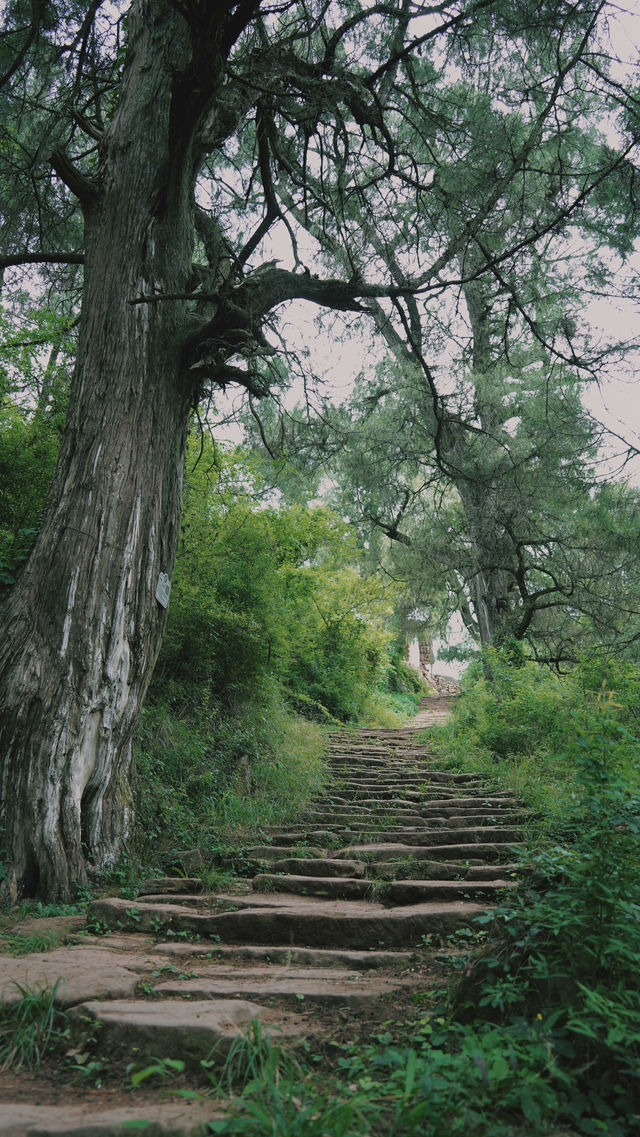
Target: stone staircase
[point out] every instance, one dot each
(332, 918)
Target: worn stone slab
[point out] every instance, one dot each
(320, 866)
(166, 1119)
(416, 891)
(346, 888)
(170, 884)
(438, 870)
(273, 852)
(288, 987)
(415, 834)
(307, 921)
(390, 851)
(411, 891)
(291, 956)
(85, 972)
(486, 834)
(168, 1029)
(57, 927)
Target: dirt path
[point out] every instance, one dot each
(330, 930)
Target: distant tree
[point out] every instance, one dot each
(468, 445)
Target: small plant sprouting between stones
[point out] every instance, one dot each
(163, 1068)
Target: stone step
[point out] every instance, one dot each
(298, 921)
(367, 817)
(339, 888)
(390, 851)
(392, 892)
(415, 835)
(437, 870)
(147, 1113)
(417, 891)
(481, 835)
(426, 806)
(429, 776)
(166, 1028)
(291, 956)
(323, 812)
(274, 852)
(168, 884)
(77, 973)
(283, 986)
(320, 866)
(442, 797)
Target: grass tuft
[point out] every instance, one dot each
(30, 1028)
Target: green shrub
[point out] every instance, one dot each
(516, 721)
(388, 710)
(520, 709)
(570, 945)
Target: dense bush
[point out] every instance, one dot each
(567, 951)
(520, 720)
(264, 589)
(33, 396)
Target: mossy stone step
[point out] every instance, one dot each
(273, 852)
(168, 884)
(438, 870)
(369, 817)
(298, 921)
(319, 866)
(416, 835)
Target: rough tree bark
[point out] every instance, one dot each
(81, 630)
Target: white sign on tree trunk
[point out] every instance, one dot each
(163, 590)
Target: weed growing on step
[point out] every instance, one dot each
(30, 1028)
(26, 945)
(271, 1094)
(216, 879)
(162, 1069)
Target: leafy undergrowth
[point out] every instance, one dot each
(212, 780)
(389, 709)
(516, 724)
(451, 1079)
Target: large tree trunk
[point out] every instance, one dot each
(481, 462)
(490, 584)
(81, 630)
